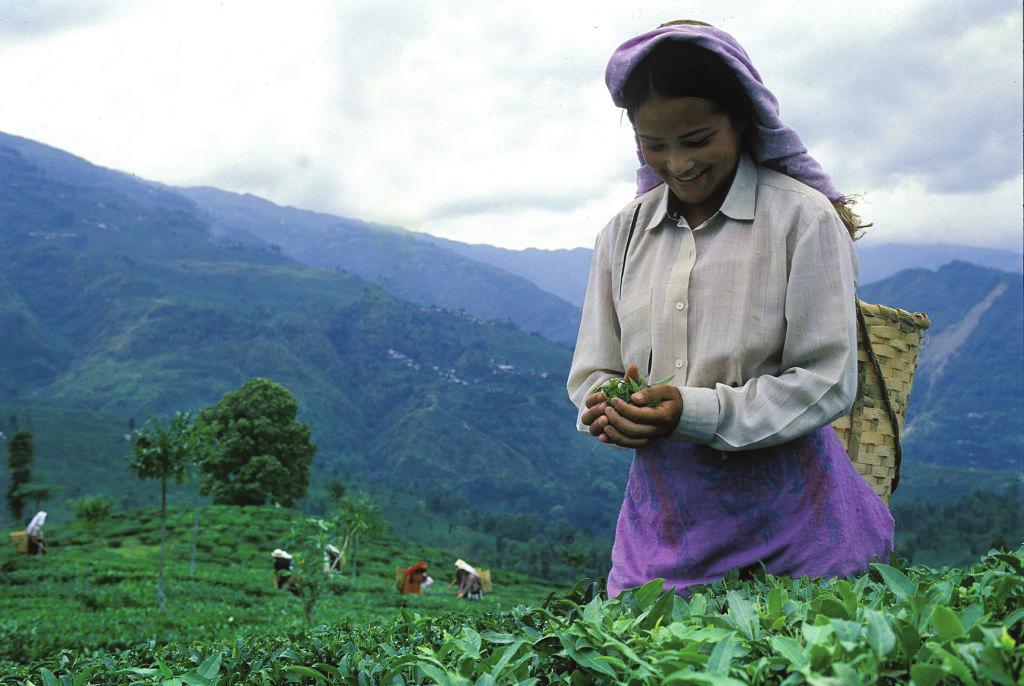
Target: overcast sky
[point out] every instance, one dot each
(489, 122)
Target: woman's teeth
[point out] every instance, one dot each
(692, 177)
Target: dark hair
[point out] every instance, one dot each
(677, 69)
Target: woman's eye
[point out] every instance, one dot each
(700, 144)
(654, 147)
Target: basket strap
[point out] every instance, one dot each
(862, 325)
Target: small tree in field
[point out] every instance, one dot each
(309, 539)
(19, 459)
(357, 515)
(165, 452)
(266, 452)
(92, 513)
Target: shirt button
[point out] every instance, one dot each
(679, 364)
(680, 306)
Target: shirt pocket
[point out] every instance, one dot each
(634, 315)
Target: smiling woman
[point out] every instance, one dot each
(732, 272)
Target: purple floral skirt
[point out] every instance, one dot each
(801, 508)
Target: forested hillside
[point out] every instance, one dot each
(967, 404)
(125, 308)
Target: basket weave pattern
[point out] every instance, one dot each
(867, 432)
(20, 541)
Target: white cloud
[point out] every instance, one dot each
(489, 122)
(907, 212)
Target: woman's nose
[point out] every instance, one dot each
(678, 163)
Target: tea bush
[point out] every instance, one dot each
(892, 625)
(92, 598)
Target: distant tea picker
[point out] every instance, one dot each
(472, 583)
(732, 276)
(410, 581)
(30, 541)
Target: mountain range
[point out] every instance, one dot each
(420, 363)
(124, 306)
(967, 404)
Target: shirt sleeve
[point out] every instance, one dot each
(817, 382)
(597, 357)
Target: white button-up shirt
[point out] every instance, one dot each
(752, 312)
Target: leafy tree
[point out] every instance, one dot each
(19, 459)
(265, 451)
(91, 513)
(165, 452)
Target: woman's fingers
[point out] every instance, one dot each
(592, 413)
(597, 426)
(649, 395)
(639, 415)
(595, 403)
(632, 372)
(627, 426)
(618, 438)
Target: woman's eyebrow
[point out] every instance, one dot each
(695, 132)
(688, 134)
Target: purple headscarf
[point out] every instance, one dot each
(780, 147)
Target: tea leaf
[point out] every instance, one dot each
(721, 656)
(791, 650)
(946, 623)
(880, 635)
(896, 581)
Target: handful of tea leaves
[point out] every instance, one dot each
(626, 387)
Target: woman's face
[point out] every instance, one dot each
(693, 147)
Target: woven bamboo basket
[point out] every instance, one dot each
(20, 541)
(888, 344)
(485, 580)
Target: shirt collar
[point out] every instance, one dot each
(739, 201)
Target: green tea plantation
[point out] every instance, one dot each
(85, 614)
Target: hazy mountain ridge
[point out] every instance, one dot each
(967, 403)
(134, 310)
(561, 272)
(401, 261)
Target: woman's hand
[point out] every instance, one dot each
(593, 416)
(597, 405)
(633, 426)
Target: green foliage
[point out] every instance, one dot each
(165, 452)
(97, 597)
(888, 626)
(624, 388)
(266, 451)
(308, 542)
(19, 460)
(91, 513)
(954, 532)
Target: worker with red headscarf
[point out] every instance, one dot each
(414, 578)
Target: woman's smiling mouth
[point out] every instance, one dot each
(692, 177)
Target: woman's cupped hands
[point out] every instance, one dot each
(633, 425)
